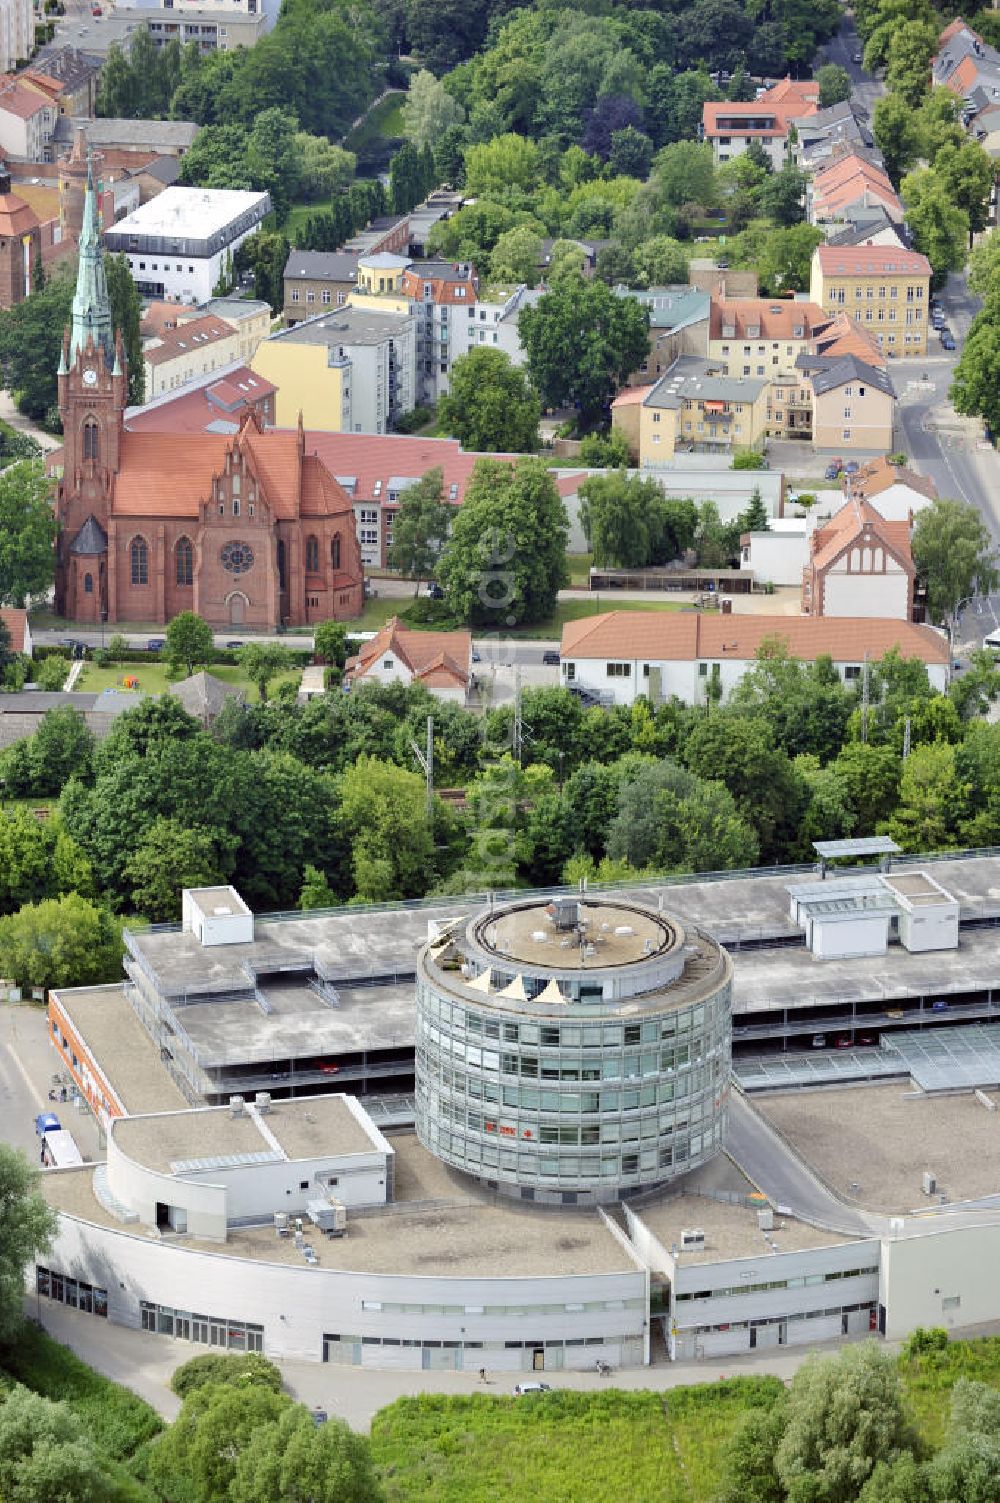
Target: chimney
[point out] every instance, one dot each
(4, 181)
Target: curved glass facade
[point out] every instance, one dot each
(578, 1099)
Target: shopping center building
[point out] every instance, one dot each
(505, 1134)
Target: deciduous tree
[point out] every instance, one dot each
(505, 560)
(59, 942)
(27, 532)
(582, 342)
(421, 527)
(189, 641)
(262, 662)
(834, 85)
(954, 552)
(939, 226)
(490, 407)
(168, 858)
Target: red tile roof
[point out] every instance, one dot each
(632, 396)
(964, 77)
(16, 216)
(675, 636)
(17, 99)
(786, 101)
(437, 659)
(158, 318)
(851, 522)
(774, 318)
(843, 336)
(954, 28)
(164, 474)
(878, 475)
(189, 337)
(864, 260)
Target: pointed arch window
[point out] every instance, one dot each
(139, 561)
(335, 551)
(185, 561)
(91, 439)
(88, 584)
(312, 555)
(281, 565)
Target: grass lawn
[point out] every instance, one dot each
(561, 1447)
(156, 678)
(929, 1379)
(579, 565)
(372, 142)
(592, 605)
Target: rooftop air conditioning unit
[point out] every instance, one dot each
(765, 1220)
(929, 1183)
(692, 1237)
(262, 1101)
(236, 1105)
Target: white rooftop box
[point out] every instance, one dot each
(216, 916)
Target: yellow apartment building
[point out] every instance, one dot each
(689, 407)
(884, 288)
(761, 337)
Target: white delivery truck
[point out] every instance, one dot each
(59, 1150)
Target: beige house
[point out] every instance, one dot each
(27, 119)
(316, 281)
(853, 406)
(859, 565)
(885, 289)
(194, 348)
(692, 407)
(761, 336)
(250, 318)
(678, 325)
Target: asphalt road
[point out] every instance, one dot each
(865, 90)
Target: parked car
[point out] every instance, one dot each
(866, 1039)
(851, 467)
(842, 1041)
(434, 591)
(939, 1006)
(522, 1388)
(819, 1040)
(832, 471)
(476, 655)
(947, 342)
(937, 317)
(858, 58)
(232, 646)
(550, 658)
(156, 644)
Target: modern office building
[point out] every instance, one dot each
(573, 1051)
(180, 244)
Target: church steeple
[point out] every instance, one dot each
(91, 307)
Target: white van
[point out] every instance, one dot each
(992, 642)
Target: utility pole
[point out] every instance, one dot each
(906, 738)
(426, 760)
(865, 701)
(518, 737)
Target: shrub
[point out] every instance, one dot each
(921, 1341)
(245, 1370)
(409, 422)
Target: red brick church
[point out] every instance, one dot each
(245, 529)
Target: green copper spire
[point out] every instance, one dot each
(91, 308)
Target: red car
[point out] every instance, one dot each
(842, 1041)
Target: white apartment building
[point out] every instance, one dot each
(180, 243)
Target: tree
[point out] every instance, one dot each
(429, 110)
(954, 553)
(30, 344)
(770, 796)
(189, 641)
(930, 800)
(45, 1456)
(383, 809)
(63, 745)
(671, 820)
(50, 674)
(940, 228)
(59, 942)
(582, 343)
(406, 178)
(782, 195)
(517, 256)
(324, 169)
(201, 1450)
(26, 1229)
(914, 43)
(843, 1415)
(421, 527)
(782, 258)
(126, 314)
(631, 153)
(629, 523)
(505, 560)
(748, 1459)
(316, 890)
(975, 389)
(330, 642)
(969, 176)
(294, 1460)
(263, 661)
(27, 532)
(897, 134)
(490, 405)
(168, 858)
(984, 265)
(834, 85)
(508, 162)
(37, 861)
(264, 254)
(660, 262)
(685, 172)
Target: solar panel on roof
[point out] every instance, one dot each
(867, 845)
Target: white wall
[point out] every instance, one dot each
(862, 934)
(897, 502)
(777, 558)
(930, 928)
(185, 279)
(871, 595)
(921, 1276)
(297, 1305)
